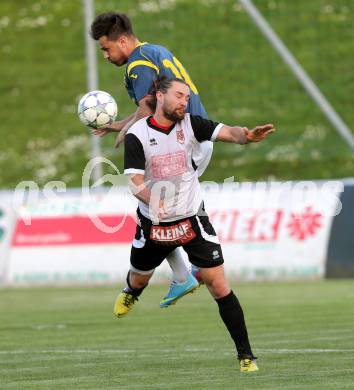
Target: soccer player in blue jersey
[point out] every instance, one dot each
(144, 63)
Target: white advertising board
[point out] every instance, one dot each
(7, 222)
(266, 232)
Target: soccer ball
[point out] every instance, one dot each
(97, 109)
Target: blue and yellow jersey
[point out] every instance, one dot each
(146, 63)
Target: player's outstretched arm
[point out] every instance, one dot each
(115, 127)
(242, 135)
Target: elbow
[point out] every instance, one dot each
(135, 185)
(132, 185)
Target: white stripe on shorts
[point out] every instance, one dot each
(205, 235)
(141, 242)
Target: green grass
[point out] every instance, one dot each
(67, 338)
(240, 78)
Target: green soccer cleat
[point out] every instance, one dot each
(248, 365)
(179, 290)
(124, 304)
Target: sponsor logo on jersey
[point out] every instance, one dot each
(216, 255)
(153, 141)
(174, 234)
(169, 165)
(133, 76)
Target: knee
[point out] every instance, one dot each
(137, 281)
(137, 284)
(218, 288)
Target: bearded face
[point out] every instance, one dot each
(173, 103)
(172, 112)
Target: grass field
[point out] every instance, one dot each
(240, 78)
(66, 338)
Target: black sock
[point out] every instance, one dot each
(133, 291)
(231, 313)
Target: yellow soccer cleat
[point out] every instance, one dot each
(124, 304)
(248, 365)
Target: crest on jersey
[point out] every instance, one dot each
(180, 136)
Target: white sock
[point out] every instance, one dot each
(178, 263)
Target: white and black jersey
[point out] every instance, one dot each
(164, 157)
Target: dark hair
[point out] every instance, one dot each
(161, 84)
(111, 24)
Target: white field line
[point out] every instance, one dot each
(186, 350)
(291, 342)
(304, 350)
(318, 332)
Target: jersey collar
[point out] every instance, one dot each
(140, 44)
(156, 126)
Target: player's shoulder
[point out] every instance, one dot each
(153, 49)
(187, 117)
(148, 51)
(136, 54)
(195, 119)
(138, 128)
(186, 122)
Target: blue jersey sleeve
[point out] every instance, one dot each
(140, 79)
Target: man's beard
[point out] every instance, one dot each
(173, 115)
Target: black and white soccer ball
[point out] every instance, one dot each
(97, 109)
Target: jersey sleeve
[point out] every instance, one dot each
(141, 74)
(204, 129)
(134, 156)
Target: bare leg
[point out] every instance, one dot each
(138, 281)
(215, 280)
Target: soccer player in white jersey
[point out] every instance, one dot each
(171, 212)
(144, 62)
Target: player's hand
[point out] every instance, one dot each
(259, 133)
(162, 210)
(102, 132)
(115, 127)
(157, 210)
